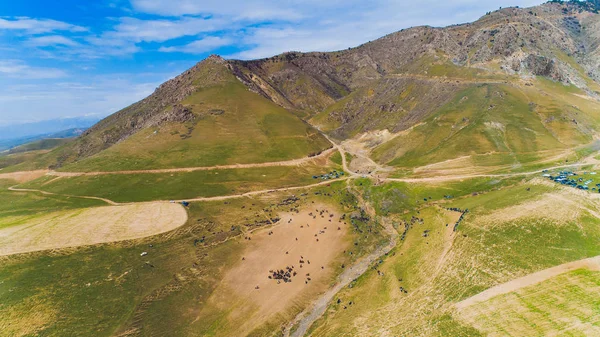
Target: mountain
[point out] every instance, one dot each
(513, 86)
(17, 142)
(203, 117)
(461, 198)
(46, 127)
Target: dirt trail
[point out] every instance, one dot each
(470, 176)
(592, 263)
(217, 198)
(110, 202)
(293, 162)
(342, 153)
(305, 319)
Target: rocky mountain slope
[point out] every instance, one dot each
(401, 81)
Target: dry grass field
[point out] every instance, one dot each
(72, 228)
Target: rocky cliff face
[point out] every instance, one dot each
(537, 41)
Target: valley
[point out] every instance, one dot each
(399, 188)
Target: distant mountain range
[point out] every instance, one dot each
(45, 127)
(18, 134)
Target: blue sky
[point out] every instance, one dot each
(72, 58)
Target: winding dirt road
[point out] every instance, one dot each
(110, 202)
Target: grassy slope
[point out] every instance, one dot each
(436, 277)
(19, 161)
(22, 203)
(251, 130)
(43, 144)
(165, 186)
(31, 156)
(565, 304)
(513, 122)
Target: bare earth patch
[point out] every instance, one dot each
(88, 226)
(307, 244)
(23, 177)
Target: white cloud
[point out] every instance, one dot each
(37, 26)
(51, 40)
(240, 9)
(19, 69)
(137, 30)
(200, 46)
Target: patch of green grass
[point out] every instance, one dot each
(336, 158)
(398, 197)
(43, 144)
(26, 203)
(444, 267)
(565, 304)
(99, 290)
(181, 185)
(510, 122)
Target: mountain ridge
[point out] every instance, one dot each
(361, 89)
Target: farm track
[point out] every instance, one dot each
(293, 162)
(110, 202)
(471, 176)
(592, 263)
(217, 198)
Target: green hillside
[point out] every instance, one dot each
(514, 123)
(231, 125)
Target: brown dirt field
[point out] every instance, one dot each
(592, 263)
(88, 226)
(23, 177)
(289, 243)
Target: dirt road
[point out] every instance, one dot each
(592, 263)
(293, 162)
(446, 79)
(217, 198)
(471, 176)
